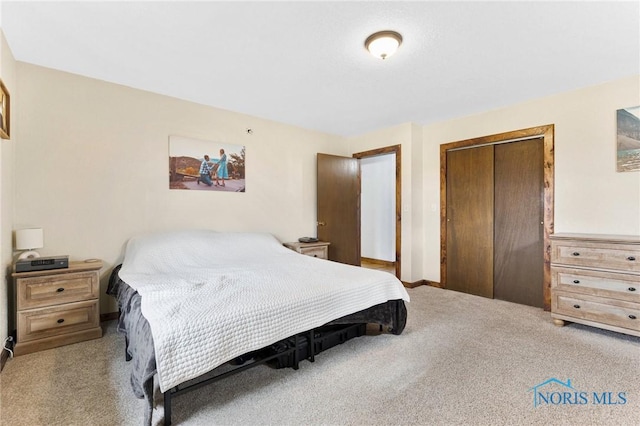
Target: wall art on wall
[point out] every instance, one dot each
(201, 165)
(628, 139)
(5, 111)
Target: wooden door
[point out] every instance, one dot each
(338, 192)
(519, 216)
(469, 259)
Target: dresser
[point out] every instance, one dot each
(319, 249)
(595, 280)
(57, 307)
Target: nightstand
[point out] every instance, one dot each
(319, 249)
(57, 307)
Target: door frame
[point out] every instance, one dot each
(547, 134)
(389, 150)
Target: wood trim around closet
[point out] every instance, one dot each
(547, 134)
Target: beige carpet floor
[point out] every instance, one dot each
(461, 360)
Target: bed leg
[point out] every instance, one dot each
(167, 407)
(296, 353)
(311, 348)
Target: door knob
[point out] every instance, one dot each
(321, 224)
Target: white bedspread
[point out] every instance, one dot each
(211, 296)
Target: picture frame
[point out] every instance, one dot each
(223, 165)
(628, 139)
(5, 112)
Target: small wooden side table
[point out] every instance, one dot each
(57, 307)
(319, 249)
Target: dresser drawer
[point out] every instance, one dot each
(51, 290)
(597, 309)
(57, 320)
(320, 252)
(599, 283)
(622, 257)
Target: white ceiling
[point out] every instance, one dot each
(304, 63)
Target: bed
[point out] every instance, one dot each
(193, 302)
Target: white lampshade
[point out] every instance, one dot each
(383, 44)
(29, 239)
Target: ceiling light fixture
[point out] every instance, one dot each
(383, 43)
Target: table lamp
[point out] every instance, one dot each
(29, 240)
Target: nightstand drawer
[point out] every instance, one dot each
(613, 312)
(320, 252)
(51, 290)
(57, 320)
(319, 249)
(598, 283)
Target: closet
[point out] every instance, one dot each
(494, 220)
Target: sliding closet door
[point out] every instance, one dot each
(519, 208)
(470, 221)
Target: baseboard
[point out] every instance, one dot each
(421, 282)
(110, 316)
(413, 284)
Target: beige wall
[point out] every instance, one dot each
(8, 75)
(590, 196)
(92, 168)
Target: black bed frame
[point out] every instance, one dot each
(289, 352)
(183, 388)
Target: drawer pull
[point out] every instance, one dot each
(631, 289)
(632, 317)
(61, 320)
(631, 258)
(575, 253)
(576, 281)
(60, 290)
(576, 306)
